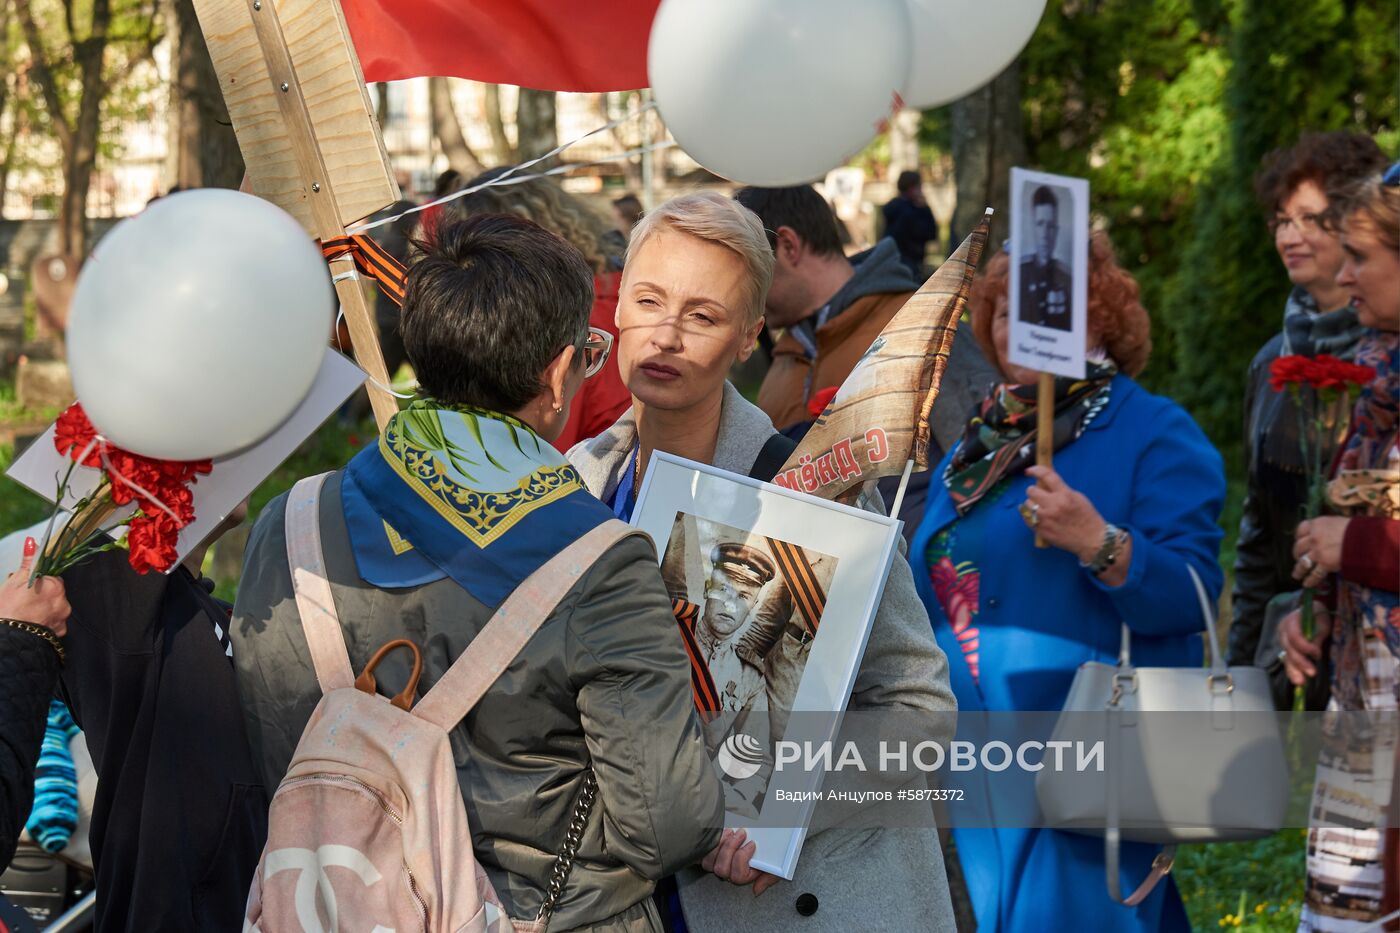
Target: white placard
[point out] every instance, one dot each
(1048, 292)
(233, 478)
(702, 517)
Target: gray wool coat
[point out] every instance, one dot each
(857, 878)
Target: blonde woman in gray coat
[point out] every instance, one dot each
(698, 269)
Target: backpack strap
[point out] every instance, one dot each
(519, 617)
(312, 590)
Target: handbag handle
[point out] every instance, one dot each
(1217, 657)
(1161, 863)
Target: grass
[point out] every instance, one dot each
(1258, 885)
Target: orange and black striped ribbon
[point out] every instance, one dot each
(371, 260)
(702, 685)
(806, 590)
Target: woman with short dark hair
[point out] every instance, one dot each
(541, 200)
(1318, 318)
(427, 532)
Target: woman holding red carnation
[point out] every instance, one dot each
(1318, 319)
(1355, 556)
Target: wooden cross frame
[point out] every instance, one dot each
(295, 93)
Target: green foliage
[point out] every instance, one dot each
(1328, 64)
(19, 508)
(1167, 108)
(1130, 95)
(1254, 885)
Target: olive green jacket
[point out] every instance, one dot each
(604, 683)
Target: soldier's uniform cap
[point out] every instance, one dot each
(743, 564)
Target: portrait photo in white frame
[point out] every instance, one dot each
(778, 591)
(1048, 291)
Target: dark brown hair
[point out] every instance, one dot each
(1328, 160)
(798, 207)
(489, 303)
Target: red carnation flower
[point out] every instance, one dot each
(130, 474)
(820, 399)
(178, 499)
(151, 542)
(1289, 370)
(1333, 373)
(73, 433)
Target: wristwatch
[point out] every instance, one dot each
(1113, 540)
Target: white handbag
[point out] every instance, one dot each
(1214, 773)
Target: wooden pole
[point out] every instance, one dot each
(1045, 429)
(296, 118)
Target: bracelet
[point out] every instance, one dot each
(42, 632)
(1113, 539)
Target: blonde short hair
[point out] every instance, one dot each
(716, 219)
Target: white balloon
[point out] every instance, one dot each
(776, 92)
(960, 47)
(199, 325)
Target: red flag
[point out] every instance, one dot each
(549, 45)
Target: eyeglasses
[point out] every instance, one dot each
(1305, 223)
(595, 351)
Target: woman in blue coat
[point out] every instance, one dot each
(1133, 499)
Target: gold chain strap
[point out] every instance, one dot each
(39, 630)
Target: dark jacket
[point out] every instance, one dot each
(912, 228)
(603, 683)
(28, 671)
(1275, 494)
(1046, 294)
(180, 815)
(843, 329)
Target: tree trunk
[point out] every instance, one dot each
(632, 167)
(5, 165)
(904, 143)
(449, 130)
(207, 154)
(988, 139)
(505, 152)
(381, 93)
(535, 126)
(80, 155)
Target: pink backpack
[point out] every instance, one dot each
(368, 829)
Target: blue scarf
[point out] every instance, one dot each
(464, 493)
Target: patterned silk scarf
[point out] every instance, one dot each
(1365, 483)
(466, 493)
(1000, 439)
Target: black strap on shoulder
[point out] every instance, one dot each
(770, 459)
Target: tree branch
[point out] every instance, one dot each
(42, 73)
(449, 130)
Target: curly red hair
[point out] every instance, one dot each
(1117, 320)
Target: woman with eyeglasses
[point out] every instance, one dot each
(603, 398)
(425, 535)
(1318, 318)
(698, 268)
(1351, 556)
